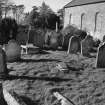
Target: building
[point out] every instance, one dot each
(88, 15)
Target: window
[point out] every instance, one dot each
(70, 18)
(83, 21)
(98, 22)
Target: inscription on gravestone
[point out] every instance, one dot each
(100, 60)
(74, 45)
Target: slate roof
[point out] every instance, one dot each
(82, 2)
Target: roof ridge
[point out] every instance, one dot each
(82, 2)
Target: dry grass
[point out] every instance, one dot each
(36, 78)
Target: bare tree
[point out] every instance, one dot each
(14, 9)
(6, 5)
(19, 11)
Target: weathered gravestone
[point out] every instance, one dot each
(3, 65)
(13, 51)
(74, 45)
(52, 39)
(38, 38)
(100, 60)
(87, 45)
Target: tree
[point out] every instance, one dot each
(42, 17)
(44, 14)
(52, 19)
(60, 13)
(8, 29)
(2, 4)
(14, 9)
(6, 6)
(32, 17)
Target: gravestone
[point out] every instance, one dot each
(3, 65)
(87, 45)
(52, 39)
(74, 45)
(65, 41)
(38, 38)
(100, 59)
(13, 51)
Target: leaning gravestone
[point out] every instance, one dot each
(13, 51)
(3, 65)
(74, 45)
(100, 60)
(87, 45)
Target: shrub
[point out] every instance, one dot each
(22, 28)
(69, 30)
(22, 34)
(22, 37)
(96, 42)
(81, 33)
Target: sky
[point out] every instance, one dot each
(54, 4)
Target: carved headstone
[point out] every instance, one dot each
(87, 45)
(13, 51)
(100, 60)
(74, 45)
(3, 64)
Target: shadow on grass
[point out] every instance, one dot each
(54, 79)
(37, 51)
(2, 101)
(28, 101)
(38, 60)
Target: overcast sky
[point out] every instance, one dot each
(54, 4)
